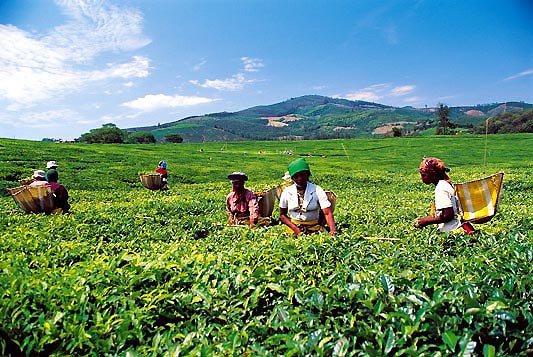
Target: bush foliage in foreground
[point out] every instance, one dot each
(135, 272)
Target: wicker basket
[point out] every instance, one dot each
(332, 198)
(151, 181)
(266, 201)
(36, 199)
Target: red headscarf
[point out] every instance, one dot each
(433, 166)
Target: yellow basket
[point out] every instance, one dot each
(478, 200)
(151, 181)
(36, 199)
(25, 182)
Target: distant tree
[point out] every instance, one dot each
(107, 134)
(397, 131)
(174, 138)
(443, 120)
(141, 137)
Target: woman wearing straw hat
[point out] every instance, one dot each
(39, 178)
(300, 204)
(241, 204)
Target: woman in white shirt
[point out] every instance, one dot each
(300, 204)
(433, 171)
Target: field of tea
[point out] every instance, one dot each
(131, 272)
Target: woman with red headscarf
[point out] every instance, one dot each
(433, 171)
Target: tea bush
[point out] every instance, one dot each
(135, 272)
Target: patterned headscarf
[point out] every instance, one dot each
(432, 165)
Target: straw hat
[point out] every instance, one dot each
(238, 175)
(39, 174)
(51, 165)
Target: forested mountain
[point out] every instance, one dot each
(319, 117)
(506, 123)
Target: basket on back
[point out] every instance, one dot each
(266, 201)
(151, 181)
(478, 200)
(34, 199)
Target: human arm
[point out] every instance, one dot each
(443, 206)
(228, 209)
(443, 216)
(253, 208)
(284, 218)
(328, 214)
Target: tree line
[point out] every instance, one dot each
(507, 123)
(111, 134)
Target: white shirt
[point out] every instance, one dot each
(314, 200)
(445, 198)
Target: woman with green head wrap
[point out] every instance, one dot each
(301, 203)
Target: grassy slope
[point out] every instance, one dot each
(322, 115)
(167, 259)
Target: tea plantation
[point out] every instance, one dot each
(134, 272)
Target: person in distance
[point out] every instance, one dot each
(39, 179)
(51, 165)
(162, 169)
(300, 204)
(60, 192)
(241, 204)
(444, 211)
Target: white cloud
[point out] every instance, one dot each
(252, 64)
(35, 67)
(521, 74)
(51, 118)
(153, 102)
(414, 99)
(199, 65)
(95, 26)
(402, 90)
(235, 83)
(380, 92)
(138, 68)
(365, 95)
(372, 93)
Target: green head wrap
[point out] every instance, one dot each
(298, 165)
(51, 175)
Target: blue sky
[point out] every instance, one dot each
(69, 66)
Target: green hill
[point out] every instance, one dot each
(319, 117)
(506, 123)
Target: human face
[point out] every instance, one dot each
(237, 185)
(300, 179)
(427, 178)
